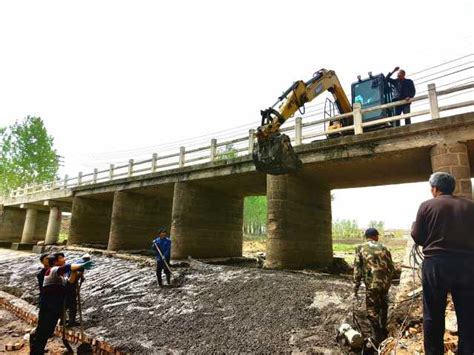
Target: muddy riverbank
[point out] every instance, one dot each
(217, 309)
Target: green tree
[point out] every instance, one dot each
(27, 154)
(345, 229)
(255, 215)
(227, 152)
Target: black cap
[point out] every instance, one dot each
(371, 232)
(161, 230)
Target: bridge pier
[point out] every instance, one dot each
(34, 229)
(90, 221)
(136, 219)
(205, 223)
(453, 158)
(299, 223)
(12, 221)
(54, 225)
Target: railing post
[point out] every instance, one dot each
(298, 131)
(130, 168)
(154, 159)
(213, 149)
(94, 176)
(251, 140)
(432, 96)
(181, 156)
(65, 181)
(111, 171)
(357, 114)
(79, 178)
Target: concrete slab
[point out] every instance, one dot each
(22, 246)
(5, 244)
(38, 249)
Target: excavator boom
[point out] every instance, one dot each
(273, 153)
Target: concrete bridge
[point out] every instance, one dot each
(202, 204)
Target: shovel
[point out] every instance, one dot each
(63, 337)
(84, 348)
(174, 280)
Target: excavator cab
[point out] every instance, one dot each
(373, 91)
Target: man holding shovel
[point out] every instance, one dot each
(162, 249)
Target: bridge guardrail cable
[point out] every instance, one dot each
(309, 130)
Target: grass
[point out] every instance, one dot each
(62, 237)
(346, 248)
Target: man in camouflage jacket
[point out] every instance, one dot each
(373, 264)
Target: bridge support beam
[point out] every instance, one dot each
(454, 159)
(205, 223)
(136, 219)
(54, 225)
(34, 229)
(90, 222)
(12, 221)
(299, 223)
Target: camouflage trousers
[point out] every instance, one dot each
(376, 302)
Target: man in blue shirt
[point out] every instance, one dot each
(163, 243)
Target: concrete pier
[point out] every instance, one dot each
(136, 219)
(90, 221)
(205, 223)
(54, 226)
(12, 221)
(299, 223)
(29, 226)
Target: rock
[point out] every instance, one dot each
(13, 347)
(412, 331)
(451, 322)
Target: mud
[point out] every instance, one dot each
(218, 308)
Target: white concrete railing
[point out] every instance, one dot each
(299, 131)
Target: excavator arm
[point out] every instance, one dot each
(273, 153)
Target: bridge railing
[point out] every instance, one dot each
(299, 133)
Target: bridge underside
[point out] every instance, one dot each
(203, 205)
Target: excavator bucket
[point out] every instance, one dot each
(275, 155)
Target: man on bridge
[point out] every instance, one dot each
(405, 90)
(373, 264)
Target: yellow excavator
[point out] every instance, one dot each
(273, 153)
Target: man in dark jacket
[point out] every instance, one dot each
(444, 226)
(40, 275)
(162, 248)
(404, 90)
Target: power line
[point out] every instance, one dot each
(444, 63)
